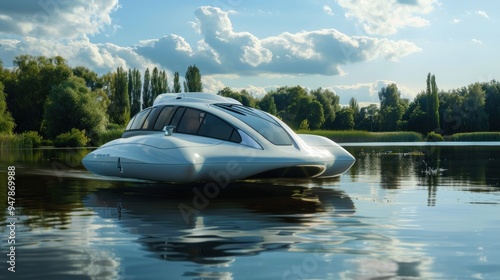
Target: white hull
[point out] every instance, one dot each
(220, 161)
(180, 157)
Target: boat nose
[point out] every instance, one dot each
(87, 161)
(344, 156)
(343, 162)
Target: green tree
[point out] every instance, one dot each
(344, 119)
(146, 90)
(192, 81)
(475, 117)
(315, 114)
(304, 125)
(30, 84)
(177, 84)
(91, 78)
(102, 98)
(288, 101)
(368, 118)
(247, 99)
(155, 85)
(392, 108)
(163, 82)
(134, 90)
(464, 110)
(492, 104)
(228, 92)
(353, 104)
(417, 115)
(267, 104)
(330, 103)
(119, 110)
(433, 103)
(7, 123)
(72, 105)
(243, 97)
(451, 111)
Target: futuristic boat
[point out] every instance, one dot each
(193, 137)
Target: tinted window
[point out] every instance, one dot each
(260, 122)
(191, 121)
(129, 125)
(139, 119)
(177, 117)
(214, 127)
(150, 121)
(164, 117)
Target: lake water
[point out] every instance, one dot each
(401, 212)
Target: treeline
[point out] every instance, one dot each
(472, 108)
(45, 96)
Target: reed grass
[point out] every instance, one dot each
(25, 140)
(357, 136)
(474, 136)
(109, 135)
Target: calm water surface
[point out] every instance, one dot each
(401, 212)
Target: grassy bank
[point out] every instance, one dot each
(25, 140)
(356, 136)
(31, 139)
(109, 135)
(474, 136)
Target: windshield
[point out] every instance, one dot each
(261, 122)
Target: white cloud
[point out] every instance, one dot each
(387, 17)
(225, 51)
(455, 21)
(482, 13)
(328, 10)
(217, 31)
(477, 42)
(56, 18)
(367, 93)
(79, 52)
(256, 91)
(220, 50)
(211, 85)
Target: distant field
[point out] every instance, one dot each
(354, 136)
(474, 136)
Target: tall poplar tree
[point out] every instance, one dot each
(156, 85)
(119, 110)
(135, 87)
(163, 82)
(432, 102)
(193, 80)
(146, 90)
(177, 84)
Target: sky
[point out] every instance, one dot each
(353, 47)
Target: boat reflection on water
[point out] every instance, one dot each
(178, 223)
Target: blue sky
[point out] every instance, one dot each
(353, 47)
